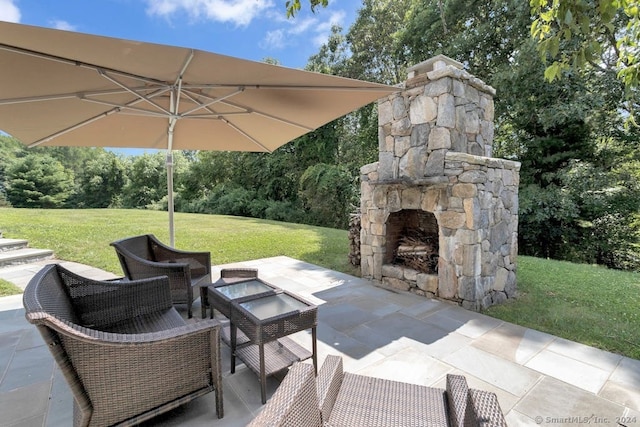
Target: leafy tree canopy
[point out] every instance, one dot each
(294, 6)
(574, 34)
(38, 181)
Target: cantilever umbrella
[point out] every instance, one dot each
(70, 89)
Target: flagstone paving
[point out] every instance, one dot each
(539, 379)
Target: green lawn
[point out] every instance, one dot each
(83, 235)
(584, 303)
(8, 288)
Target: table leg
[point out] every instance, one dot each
(263, 379)
(234, 333)
(204, 302)
(314, 345)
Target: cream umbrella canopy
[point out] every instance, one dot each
(64, 88)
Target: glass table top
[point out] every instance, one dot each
(243, 289)
(273, 305)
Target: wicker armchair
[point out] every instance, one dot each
(339, 399)
(145, 256)
(124, 350)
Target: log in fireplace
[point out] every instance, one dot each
(412, 240)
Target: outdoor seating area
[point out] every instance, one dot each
(381, 338)
(120, 345)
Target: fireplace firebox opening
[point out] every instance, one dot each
(412, 240)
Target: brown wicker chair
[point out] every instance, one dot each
(340, 399)
(145, 256)
(124, 350)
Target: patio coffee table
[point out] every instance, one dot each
(220, 294)
(266, 321)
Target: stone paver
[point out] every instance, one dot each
(539, 379)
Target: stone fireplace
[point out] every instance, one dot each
(439, 215)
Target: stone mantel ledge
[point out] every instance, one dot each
(448, 71)
(461, 75)
(456, 156)
(367, 169)
(405, 182)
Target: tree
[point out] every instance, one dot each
(147, 184)
(483, 35)
(333, 56)
(38, 181)
(294, 6)
(574, 34)
(375, 41)
(555, 129)
(10, 149)
(72, 158)
(100, 182)
(328, 195)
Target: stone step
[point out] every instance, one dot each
(24, 256)
(12, 244)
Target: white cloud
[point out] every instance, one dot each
(239, 12)
(63, 25)
(302, 25)
(274, 40)
(303, 28)
(9, 12)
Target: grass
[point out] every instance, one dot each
(8, 288)
(83, 235)
(583, 303)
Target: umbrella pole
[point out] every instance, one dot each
(170, 196)
(175, 97)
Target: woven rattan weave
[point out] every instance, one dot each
(122, 347)
(145, 256)
(337, 399)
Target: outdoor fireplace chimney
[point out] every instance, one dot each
(439, 215)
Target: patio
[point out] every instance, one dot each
(540, 379)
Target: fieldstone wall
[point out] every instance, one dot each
(435, 142)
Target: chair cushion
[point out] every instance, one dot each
(375, 402)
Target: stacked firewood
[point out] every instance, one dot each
(354, 239)
(417, 251)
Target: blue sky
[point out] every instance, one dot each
(249, 29)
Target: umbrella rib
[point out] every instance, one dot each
(74, 127)
(185, 66)
(245, 110)
(266, 115)
(206, 105)
(290, 87)
(59, 96)
(281, 120)
(131, 91)
(141, 111)
(116, 109)
(246, 135)
(76, 63)
(128, 105)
